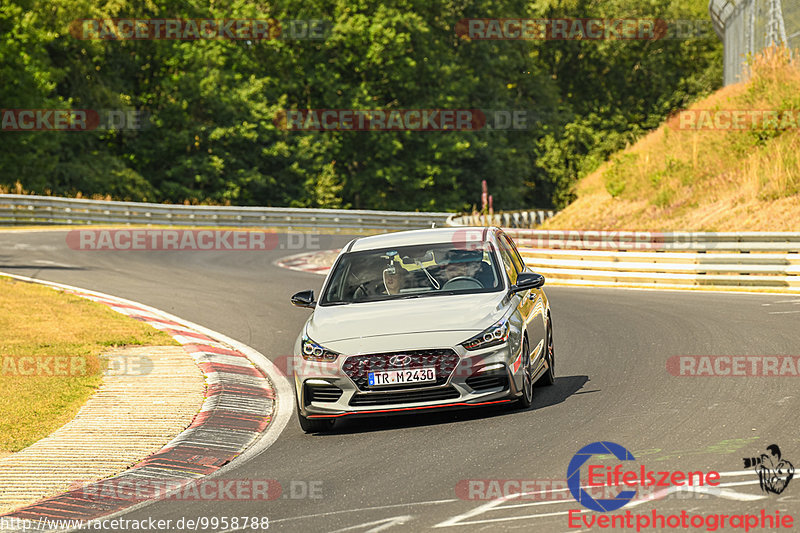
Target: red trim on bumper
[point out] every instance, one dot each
(458, 404)
(517, 362)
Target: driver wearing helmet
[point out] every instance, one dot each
(461, 263)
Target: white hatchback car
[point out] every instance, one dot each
(422, 320)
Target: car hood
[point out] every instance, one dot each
(451, 316)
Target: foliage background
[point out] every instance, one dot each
(211, 104)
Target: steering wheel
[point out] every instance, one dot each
(462, 282)
(361, 290)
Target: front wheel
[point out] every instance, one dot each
(549, 377)
(526, 399)
(314, 425)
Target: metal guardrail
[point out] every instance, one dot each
(755, 260)
(19, 210)
(514, 219)
(654, 260)
(678, 241)
(768, 260)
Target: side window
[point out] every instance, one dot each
(512, 250)
(508, 263)
(336, 286)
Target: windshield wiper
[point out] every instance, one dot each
(430, 293)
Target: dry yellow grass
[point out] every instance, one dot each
(704, 180)
(49, 329)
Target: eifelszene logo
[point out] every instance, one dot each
(574, 476)
(600, 475)
(774, 472)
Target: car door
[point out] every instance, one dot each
(523, 305)
(531, 304)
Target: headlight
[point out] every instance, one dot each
(314, 352)
(497, 334)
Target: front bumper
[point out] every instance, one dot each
(480, 378)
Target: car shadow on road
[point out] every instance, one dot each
(563, 388)
(40, 267)
(7, 263)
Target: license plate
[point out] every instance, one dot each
(400, 377)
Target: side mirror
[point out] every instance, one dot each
(527, 281)
(304, 299)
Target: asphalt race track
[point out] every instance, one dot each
(401, 473)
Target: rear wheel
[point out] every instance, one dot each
(526, 399)
(549, 377)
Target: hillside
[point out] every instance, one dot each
(716, 177)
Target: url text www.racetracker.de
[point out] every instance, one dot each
(601, 475)
(196, 523)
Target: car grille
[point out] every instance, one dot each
(488, 380)
(389, 398)
(322, 393)
(358, 367)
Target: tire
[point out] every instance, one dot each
(314, 425)
(526, 399)
(549, 377)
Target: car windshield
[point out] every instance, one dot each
(413, 271)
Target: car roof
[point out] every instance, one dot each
(422, 236)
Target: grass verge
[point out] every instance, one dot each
(706, 179)
(50, 362)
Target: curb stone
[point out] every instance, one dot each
(239, 406)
